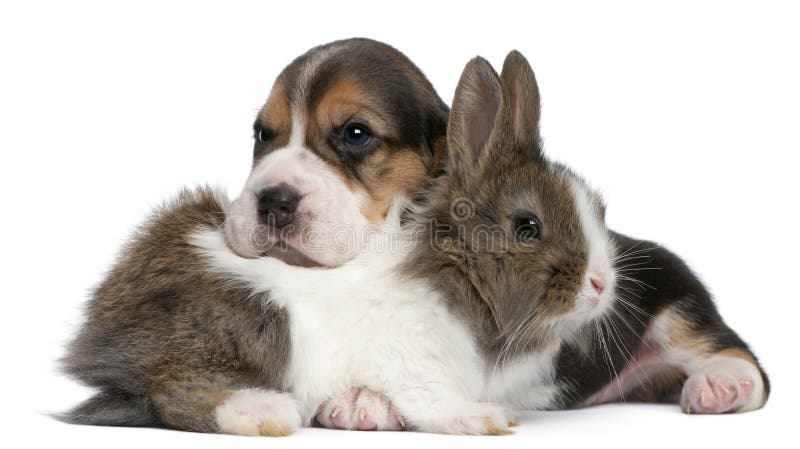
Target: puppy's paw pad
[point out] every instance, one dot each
(375, 412)
(338, 411)
(359, 409)
(258, 412)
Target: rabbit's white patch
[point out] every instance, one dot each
(258, 412)
(594, 300)
(468, 418)
(527, 382)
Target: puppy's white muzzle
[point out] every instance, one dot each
(327, 224)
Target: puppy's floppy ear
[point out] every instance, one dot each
(476, 105)
(521, 103)
(436, 139)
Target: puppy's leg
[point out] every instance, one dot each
(255, 411)
(359, 409)
(203, 404)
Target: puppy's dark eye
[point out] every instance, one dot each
(527, 229)
(356, 135)
(264, 135)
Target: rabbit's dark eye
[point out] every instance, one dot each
(356, 135)
(527, 229)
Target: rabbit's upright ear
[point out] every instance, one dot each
(521, 104)
(494, 117)
(476, 105)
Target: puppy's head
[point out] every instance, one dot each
(347, 127)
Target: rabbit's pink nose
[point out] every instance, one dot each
(597, 284)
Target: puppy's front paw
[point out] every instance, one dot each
(726, 386)
(478, 419)
(258, 412)
(359, 409)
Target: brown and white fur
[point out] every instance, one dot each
(167, 342)
(516, 247)
(305, 159)
(632, 322)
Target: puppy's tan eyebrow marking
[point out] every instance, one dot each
(274, 117)
(344, 100)
(276, 113)
(365, 113)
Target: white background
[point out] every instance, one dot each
(685, 114)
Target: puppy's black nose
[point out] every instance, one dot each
(277, 205)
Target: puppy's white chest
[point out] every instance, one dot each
(383, 333)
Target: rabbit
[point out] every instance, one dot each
(568, 312)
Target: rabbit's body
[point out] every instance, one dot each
(663, 331)
(665, 341)
(573, 314)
